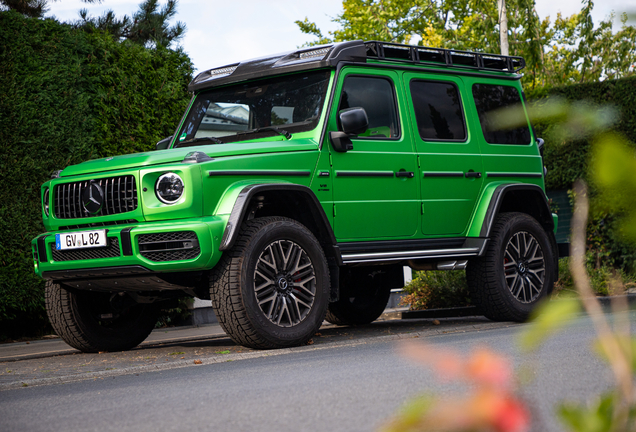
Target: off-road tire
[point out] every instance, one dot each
(486, 275)
(233, 289)
(74, 316)
(357, 308)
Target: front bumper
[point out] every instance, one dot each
(158, 247)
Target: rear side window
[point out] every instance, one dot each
(438, 111)
(377, 97)
(489, 98)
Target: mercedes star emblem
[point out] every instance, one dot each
(93, 198)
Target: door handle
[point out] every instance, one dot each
(472, 174)
(408, 174)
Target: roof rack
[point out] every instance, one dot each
(355, 52)
(443, 57)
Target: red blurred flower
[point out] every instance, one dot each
(490, 405)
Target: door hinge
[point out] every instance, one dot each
(422, 208)
(419, 164)
(330, 162)
(334, 210)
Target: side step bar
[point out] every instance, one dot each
(471, 247)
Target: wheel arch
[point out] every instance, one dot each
(290, 200)
(523, 198)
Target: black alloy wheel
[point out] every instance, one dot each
(524, 267)
(284, 283)
(517, 270)
(272, 289)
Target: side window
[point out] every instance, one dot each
(438, 111)
(489, 98)
(377, 97)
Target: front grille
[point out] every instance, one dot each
(170, 246)
(110, 251)
(120, 196)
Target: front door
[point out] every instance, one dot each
(375, 191)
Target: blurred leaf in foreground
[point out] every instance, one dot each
(613, 168)
(569, 120)
(597, 417)
(548, 319)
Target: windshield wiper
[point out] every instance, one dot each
(215, 140)
(279, 131)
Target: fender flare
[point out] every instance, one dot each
(498, 197)
(245, 195)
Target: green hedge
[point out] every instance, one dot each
(66, 96)
(568, 161)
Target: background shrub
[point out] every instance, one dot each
(437, 289)
(602, 278)
(567, 160)
(570, 159)
(68, 95)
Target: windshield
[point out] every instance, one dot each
(291, 103)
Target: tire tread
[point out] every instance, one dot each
(484, 279)
(225, 290)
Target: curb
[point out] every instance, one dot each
(465, 311)
(250, 355)
(69, 350)
(388, 315)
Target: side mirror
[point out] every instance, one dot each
(164, 143)
(540, 144)
(353, 121)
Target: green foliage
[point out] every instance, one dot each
(148, 26)
(568, 118)
(567, 51)
(67, 96)
(311, 28)
(547, 319)
(602, 277)
(175, 316)
(566, 154)
(613, 167)
(594, 418)
(437, 289)
(31, 8)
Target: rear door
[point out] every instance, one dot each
(510, 154)
(451, 172)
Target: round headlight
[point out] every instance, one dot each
(46, 201)
(169, 188)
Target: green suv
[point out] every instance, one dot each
(295, 189)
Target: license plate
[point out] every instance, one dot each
(81, 240)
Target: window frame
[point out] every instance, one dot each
(461, 106)
(395, 105)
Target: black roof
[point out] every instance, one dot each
(354, 51)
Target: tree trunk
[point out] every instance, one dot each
(503, 26)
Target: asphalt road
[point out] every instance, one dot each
(353, 385)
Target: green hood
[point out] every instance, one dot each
(140, 160)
